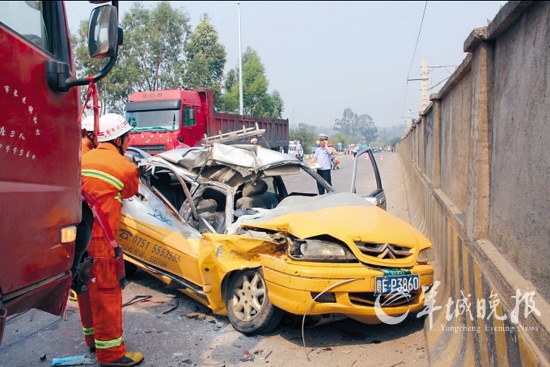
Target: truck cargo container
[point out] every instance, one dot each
(167, 119)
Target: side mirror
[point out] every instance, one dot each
(103, 32)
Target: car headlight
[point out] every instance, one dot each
(318, 250)
(425, 256)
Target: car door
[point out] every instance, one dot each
(370, 185)
(39, 155)
(154, 232)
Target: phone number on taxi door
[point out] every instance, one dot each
(167, 254)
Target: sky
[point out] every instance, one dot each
(324, 57)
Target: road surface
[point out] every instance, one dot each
(170, 329)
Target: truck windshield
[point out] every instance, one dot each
(155, 120)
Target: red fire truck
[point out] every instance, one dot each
(40, 149)
(166, 119)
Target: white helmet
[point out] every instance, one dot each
(88, 123)
(254, 141)
(111, 126)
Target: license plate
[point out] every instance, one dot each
(397, 284)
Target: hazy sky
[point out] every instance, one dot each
(324, 57)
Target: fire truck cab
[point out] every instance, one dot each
(40, 149)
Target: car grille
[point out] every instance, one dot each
(386, 300)
(384, 250)
(152, 148)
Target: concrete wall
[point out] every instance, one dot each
(455, 140)
(519, 215)
(478, 167)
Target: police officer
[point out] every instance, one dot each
(108, 177)
(323, 157)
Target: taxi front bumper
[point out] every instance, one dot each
(348, 289)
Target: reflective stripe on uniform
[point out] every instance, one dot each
(88, 330)
(104, 177)
(106, 344)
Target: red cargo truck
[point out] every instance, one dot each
(40, 150)
(166, 119)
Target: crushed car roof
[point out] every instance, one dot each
(247, 157)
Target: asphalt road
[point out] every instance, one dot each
(170, 329)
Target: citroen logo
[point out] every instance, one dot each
(384, 250)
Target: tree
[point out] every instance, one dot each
(155, 43)
(151, 57)
(358, 127)
(256, 100)
(340, 138)
(205, 59)
(389, 135)
(306, 134)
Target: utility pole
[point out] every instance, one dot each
(424, 78)
(241, 104)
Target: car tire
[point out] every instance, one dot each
(248, 306)
(129, 269)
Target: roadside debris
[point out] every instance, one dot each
(78, 360)
(172, 309)
(201, 316)
(137, 299)
(247, 357)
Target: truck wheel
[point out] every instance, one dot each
(248, 306)
(129, 269)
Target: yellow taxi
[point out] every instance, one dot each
(242, 230)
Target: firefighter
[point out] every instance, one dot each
(109, 178)
(89, 142)
(89, 139)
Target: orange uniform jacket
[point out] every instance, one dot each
(109, 177)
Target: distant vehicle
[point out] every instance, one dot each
(242, 230)
(168, 119)
(295, 149)
(40, 145)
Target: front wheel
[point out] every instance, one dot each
(248, 306)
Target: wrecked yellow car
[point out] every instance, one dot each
(242, 230)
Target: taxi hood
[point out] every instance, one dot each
(344, 216)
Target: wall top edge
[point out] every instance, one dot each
(505, 18)
(459, 73)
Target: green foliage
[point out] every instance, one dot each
(155, 41)
(150, 59)
(389, 135)
(205, 59)
(256, 100)
(359, 128)
(340, 138)
(161, 52)
(306, 134)
(394, 141)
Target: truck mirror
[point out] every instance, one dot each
(103, 32)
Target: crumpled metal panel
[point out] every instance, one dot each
(238, 156)
(345, 216)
